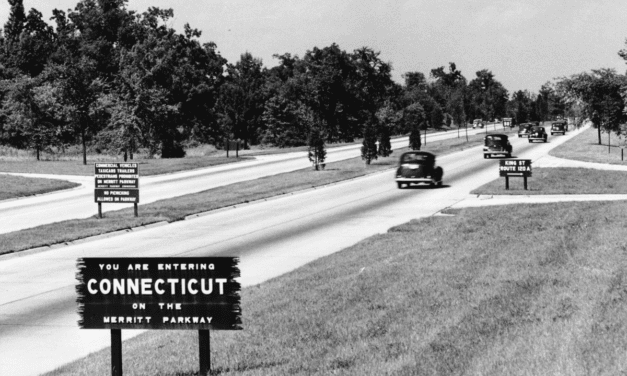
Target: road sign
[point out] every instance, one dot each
(198, 293)
(515, 167)
(116, 183)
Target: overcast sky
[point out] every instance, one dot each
(524, 43)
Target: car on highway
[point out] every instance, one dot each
(478, 123)
(416, 167)
(537, 134)
(496, 144)
(523, 129)
(559, 127)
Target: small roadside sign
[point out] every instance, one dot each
(515, 167)
(116, 183)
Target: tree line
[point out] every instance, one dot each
(113, 80)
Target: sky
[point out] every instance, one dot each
(524, 43)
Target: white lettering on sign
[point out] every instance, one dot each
(146, 286)
(125, 320)
(187, 320)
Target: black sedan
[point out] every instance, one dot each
(418, 167)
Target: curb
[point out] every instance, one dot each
(31, 251)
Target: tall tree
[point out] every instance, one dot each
(600, 94)
(242, 99)
(414, 116)
(369, 144)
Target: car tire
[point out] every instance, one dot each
(508, 155)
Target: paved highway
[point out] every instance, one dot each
(37, 297)
(79, 203)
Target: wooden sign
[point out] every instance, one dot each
(515, 167)
(159, 293)
(116, 183)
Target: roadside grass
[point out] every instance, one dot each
(562, 180)
(147, 167)
(178, 208)
(585, 147)
(18, 186)
(531, 290)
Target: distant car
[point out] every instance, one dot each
(497, 144)
(477, 123)
(508, 122)
(559, 127)
(537, 134)
(523, 129)
(418, 167)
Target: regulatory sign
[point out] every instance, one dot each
(159, 293)
(117, 182)
(515, 167)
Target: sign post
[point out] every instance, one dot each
(515, 167)
(116, 183)
(198, 293)
(232, 145)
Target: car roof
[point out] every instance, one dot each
(499, 135)
(418, 152)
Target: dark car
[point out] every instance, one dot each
(559, 127)
(418, 167)
(537, 134)
(523, 129)
(496, 144)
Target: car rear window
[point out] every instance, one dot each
(415, 158)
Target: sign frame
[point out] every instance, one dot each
(156, 281)
(514, 167)
(116, 182)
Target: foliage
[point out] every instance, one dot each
(600, 95)
(414, 115)
(316, 152)
(369, 144)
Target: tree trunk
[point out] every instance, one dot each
(37, 148)
(84, 146)
(599, 133)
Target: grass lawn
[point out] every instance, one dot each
(17, 186)
(563, 180)
(177, 208)
(585, 147)
(147, 167)
(532, 290)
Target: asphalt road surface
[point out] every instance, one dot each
(38, 319)
(79, 203)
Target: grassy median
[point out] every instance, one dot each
(531, 290)
(562, 180)
(178, 208)
(585, 147)
(17, 186)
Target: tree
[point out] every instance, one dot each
(414, 116)
(437, 117)
(31, 114)
(600, 96)
(241, 100)
(369, 145)
(316, 151)
(487, 97)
